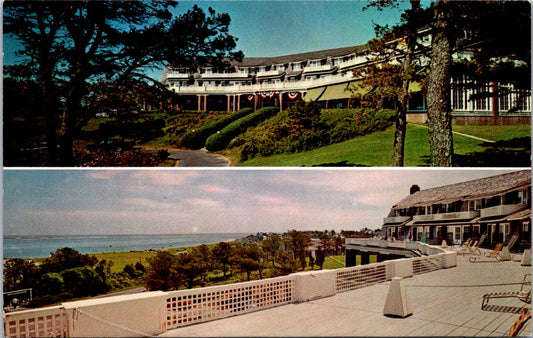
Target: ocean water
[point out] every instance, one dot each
(42, 246)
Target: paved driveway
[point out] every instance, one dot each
(198, 158)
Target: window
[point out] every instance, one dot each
(505, 229)
(523, 196)
(458, 95)
(297, 66)
(481, 103)
(504, 102)
(476, 231)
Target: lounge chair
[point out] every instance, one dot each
(524, 295)
(525, 315)
(475, 247)
(472, 249)
(467, 243)
(494, 254)
(512, 242)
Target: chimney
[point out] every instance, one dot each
(414, 188)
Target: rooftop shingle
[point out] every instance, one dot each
(480, 188)
(299, 57)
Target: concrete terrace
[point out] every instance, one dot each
(444, 303)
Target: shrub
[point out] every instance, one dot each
(195, 139)
(83, 281)
(221, 139)
(303, 127)
(44, 300)
(179, 124)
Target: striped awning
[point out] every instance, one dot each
(314, 94)
(336, 92)
(357, 89)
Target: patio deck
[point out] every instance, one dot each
(444, 303)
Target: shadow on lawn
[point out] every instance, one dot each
(338, 164)
(509, 153)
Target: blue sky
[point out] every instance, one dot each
(274, 28)
(68, 202)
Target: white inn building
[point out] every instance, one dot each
(497, 208)
(324, 76)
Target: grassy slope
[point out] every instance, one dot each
(376, 149)
(495, 134)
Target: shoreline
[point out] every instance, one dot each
(123, 249)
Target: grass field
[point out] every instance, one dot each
(376, 149)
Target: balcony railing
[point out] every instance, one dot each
(224, 75)
(447, 216)
(321, 68)
(501, 210)
(396, 219)
(236, 88)
(270, 73)
(153, 313)
(171, 76)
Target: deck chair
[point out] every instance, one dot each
(524, 295)
(525, 315)
(512, 241)
(467, 243)
(494, 254)
(472, 249)
(467, 247)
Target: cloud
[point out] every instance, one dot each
(101, 174)
(264, 199)
(164, 177)
(204, 202)
(146, 203)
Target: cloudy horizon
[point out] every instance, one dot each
(95, 202)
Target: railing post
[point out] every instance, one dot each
(401, 268)
(314, 284)
(396, 304)
(449, 259)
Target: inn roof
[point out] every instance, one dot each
(475, 189)
(315, 55)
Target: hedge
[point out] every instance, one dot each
(196, 139)
(221, 139)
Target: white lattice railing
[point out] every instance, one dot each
(427, 264)
(155, 312)
(47, 322)
(199, 305)
(360, 276)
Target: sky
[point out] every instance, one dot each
(166, 201)
(275, 28)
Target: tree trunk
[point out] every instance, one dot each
(401, 110)
(401, 114)
(439, 114)
(71, 114)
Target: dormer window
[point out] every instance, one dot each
(296, 66)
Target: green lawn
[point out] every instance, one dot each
(498, 133)
(376, 149)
